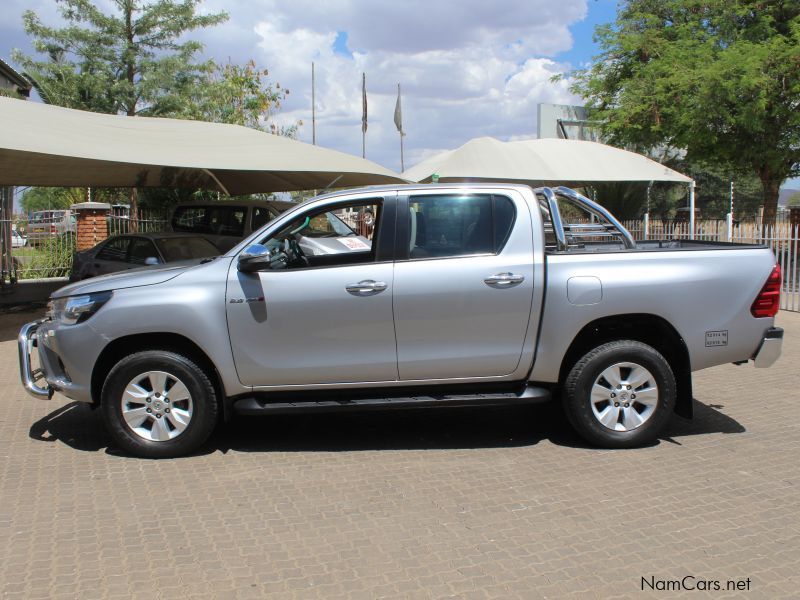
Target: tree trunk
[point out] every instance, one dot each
(771, 185)
(133, 216)
(130, 74)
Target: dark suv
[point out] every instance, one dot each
(225, 224)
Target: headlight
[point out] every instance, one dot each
(77, 309)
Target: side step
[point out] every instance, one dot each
(263, 404)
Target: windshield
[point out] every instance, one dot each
(47, 215)
(184, 248)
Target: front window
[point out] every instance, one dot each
(116, 249)
(142, 249)
(343, 235)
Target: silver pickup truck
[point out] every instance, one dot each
(460, 295)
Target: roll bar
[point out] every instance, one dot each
(555, 217)
(590, 206)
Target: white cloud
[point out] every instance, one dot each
(467, 69)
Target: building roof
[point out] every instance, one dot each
(23, 85)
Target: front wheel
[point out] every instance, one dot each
(158, 404)
(620, 395)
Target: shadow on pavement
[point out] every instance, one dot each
(79, 427)
(708, 418)
(74, 424)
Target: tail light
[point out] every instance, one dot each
(768, 300)
(52, 229)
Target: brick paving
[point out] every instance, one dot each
(491, 503)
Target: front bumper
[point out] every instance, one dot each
(770, 348)
(31, 378)
(53, 375)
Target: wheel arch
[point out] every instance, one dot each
(649, 329)
(121, 347)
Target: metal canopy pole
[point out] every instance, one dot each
(691, 209)
(729, 216)
(646, 224)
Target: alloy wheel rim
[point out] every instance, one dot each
(624, 396)
(157, 406)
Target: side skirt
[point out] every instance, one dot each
(430, 398)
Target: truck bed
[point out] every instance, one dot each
(650, 246)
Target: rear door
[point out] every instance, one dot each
(463, 284)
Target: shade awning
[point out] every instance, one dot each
(541, 162)
(52, 146)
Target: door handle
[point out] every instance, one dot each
(504, 280)
(368, 287)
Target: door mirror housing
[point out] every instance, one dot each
(151, 260)
(254, 258)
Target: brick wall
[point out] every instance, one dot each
(92, 227)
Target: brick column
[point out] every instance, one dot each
(92, 225)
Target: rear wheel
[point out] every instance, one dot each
(620, 395)
(158, 404)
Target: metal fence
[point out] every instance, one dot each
(44, 247)
(145, 221)
(33, 255)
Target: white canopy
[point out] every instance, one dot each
(541, 162)
(53, 146)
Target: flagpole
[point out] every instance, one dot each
(398, 122)
(313, 108)
(402, 161)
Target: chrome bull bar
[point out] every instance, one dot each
(29, 376)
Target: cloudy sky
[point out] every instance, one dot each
(468, 68)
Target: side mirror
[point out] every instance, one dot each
(254, 258)
(151, 260)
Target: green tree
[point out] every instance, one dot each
(50, 198)
(718, 78)
(794, 200)
(239, 95)
(56, 198)
(131, 60)
(714, 190)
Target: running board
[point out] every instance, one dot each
(263, 404)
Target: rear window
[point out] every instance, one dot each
(186, 248)
(262, 216)
(458, 225)
(46, 216)
(215, 220)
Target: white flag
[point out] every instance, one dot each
(398, 112)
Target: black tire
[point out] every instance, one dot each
(578, 394)
(204, 405)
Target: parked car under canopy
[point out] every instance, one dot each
(129, 251)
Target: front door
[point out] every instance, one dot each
(323, 313)
(463, 285)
